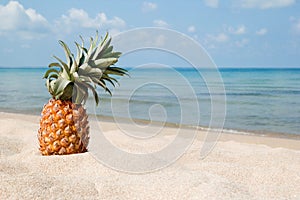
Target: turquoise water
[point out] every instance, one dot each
(260, 100)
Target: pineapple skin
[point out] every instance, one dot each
(64, 128)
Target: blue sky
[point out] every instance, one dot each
(235, 33)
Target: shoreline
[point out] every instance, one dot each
(185, 126)
(273, 140)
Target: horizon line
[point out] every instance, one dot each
(182, 67)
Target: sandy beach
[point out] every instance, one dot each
(239, 167)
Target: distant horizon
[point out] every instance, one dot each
(183, 67)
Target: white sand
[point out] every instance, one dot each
(239, 167)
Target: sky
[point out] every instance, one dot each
(235, 33)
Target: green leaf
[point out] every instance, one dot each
(90, 72)
(107, 50)
(85, 79)
(112, 55)
(104, 62)
(55, 65)
(90, 68)
(58, 86)
(118, 69)
(65, 71)
(85, 50)
(96, 40)
(93, 91)
(103, 47)
(67, 52)
(105, 76)
(68, 92)
(80, 55)
(103, 85)
(81, 93)
(50, 71)
(100, 48)
(82, 40)
(79, 52)
(105, 38)
(74, 66)
(115, 71)
(91, 48)
(124, 72)
(49, 87)
(111, 82)
(53, 76)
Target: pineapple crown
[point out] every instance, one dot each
(93, 66)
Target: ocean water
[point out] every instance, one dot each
(256, 100)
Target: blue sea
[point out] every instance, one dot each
(255, 100)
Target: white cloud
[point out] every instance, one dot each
(220, 38)
(149, 6)
(160, 40)
(214, 41)
(80, 18)
(25, 23)
(237, 31)
(262, 31)
(296, 26)
(160, 23)
(242, 43)
(211, 3)
(25, 46)
(191, 29)
(8, 50)
(264, 4)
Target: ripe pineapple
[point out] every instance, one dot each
(64, 127)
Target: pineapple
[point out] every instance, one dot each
(64, 126)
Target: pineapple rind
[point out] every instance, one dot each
(63, 128)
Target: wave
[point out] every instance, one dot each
(265, 93)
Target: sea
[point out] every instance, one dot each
(241, 100)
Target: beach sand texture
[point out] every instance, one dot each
(239, 167)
